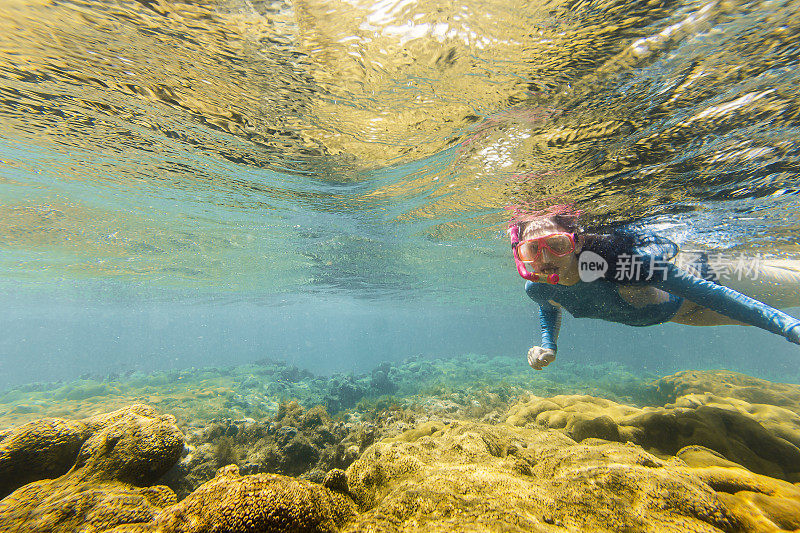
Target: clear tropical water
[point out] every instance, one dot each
(213, 182)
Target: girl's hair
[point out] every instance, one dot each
(612, 243)
(631, 253)
(568, 222)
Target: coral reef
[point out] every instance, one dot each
(47, 448)
(106, 489)
(108, 482)
(450, 386)
(295, 442)
(256, 503)
(761, 437)
(506, 478)
(252, 504)
(501, 478)
(775, 405)
(720, 454)
(727, 384)
(42, 449)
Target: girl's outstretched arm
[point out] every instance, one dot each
(550, 320)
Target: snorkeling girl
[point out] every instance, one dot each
(632, 278)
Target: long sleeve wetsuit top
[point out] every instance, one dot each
(601, 299)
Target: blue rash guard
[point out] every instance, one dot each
(601, 299)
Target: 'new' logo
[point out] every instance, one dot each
(591, 266)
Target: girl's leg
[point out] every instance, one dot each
(773, 281)
(692, 314)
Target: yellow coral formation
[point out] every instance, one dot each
(730, 430)
(133, 446)
(776, 406)
(136, 449)
(529, 474)
(66, 506)
(136, 446)
(48, 447)
(256, 503)
(422, 430)
(704, 463)
(727, 384)
(504, 478)
(759, 503)
(36, 450)
(336, 480)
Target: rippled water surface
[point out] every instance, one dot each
(371, 147)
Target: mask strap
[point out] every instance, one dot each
(520, 265)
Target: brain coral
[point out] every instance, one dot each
(257, 503)
(477, 477)
(40, 449)
(133, 447)
(731, 427)
(48, 447)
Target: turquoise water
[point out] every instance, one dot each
(184, 184)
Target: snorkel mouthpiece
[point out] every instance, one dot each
(530, 276)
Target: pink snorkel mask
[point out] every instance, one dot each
(530, 276)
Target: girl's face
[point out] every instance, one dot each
(546, 262)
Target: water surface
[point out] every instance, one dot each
(185, 182)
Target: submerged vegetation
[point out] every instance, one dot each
(256, 391)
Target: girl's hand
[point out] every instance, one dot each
(539, 357)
